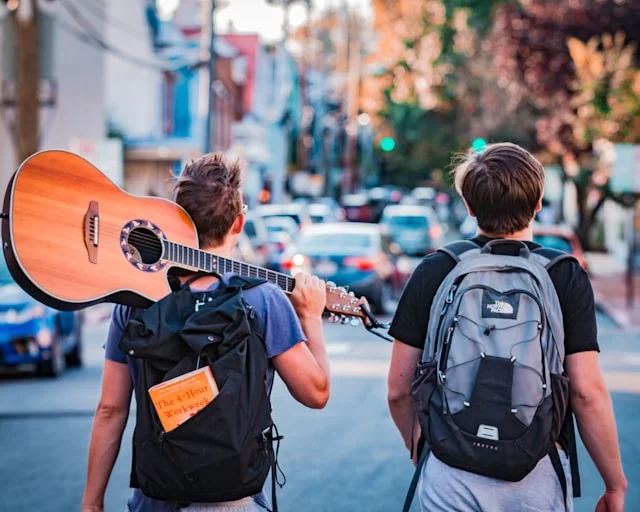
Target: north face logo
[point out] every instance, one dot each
(503, 308)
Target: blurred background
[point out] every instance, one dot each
(347, 114)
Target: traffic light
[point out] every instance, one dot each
(478, 145)
(387, 144)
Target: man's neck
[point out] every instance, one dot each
(525, 234)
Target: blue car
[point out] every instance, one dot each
(34, 334)
(353, 254)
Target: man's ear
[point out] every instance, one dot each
(469, 210)
(238, 225)
(539, 205)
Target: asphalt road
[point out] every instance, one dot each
(347, 457)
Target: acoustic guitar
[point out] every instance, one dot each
(72, 238)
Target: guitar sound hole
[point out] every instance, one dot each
(147, 244)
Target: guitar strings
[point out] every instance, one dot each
(143, 239)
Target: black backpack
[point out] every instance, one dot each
(225, 451)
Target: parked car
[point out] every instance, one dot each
(295, 211)
(562, 238)
(416, 229)
(381, 197)
(323, 213)
(34, 334)
(256, 232)
(425, 196)
(244, 251)
(357, 255)
(280, 232)
(468, 227)
(357, 208)
(317, 208)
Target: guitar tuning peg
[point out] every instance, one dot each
(331, 285)
(333, 318)
(351, 294)
(342, 291)
(344, 320)
(355, 321)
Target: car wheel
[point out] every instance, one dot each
(53, 367)
(74, 357)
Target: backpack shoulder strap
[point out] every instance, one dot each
(456, 249)
(245, 283)
(549, 257)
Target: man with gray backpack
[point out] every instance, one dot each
(495, 351)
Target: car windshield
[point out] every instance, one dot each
(553, 242)
(5, 276)
(339, 241)
(407, 221)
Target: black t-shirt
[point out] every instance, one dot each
(569, 278)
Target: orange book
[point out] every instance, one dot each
(179, 399)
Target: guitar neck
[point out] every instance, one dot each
(198, 259)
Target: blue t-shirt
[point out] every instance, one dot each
(282, 330)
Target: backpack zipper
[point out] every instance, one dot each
(447, 303)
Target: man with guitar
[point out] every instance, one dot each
(209, 190)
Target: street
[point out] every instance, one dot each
(347, 457)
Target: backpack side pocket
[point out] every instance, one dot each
(422, 388)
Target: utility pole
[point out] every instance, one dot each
(354, 46)
(210, 130)
(27, 78)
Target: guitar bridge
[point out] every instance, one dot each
(92, 231)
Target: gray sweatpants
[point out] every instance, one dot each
(446, 489)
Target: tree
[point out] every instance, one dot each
(563, 59)
(556, 77)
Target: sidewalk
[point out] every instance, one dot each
(610, 288)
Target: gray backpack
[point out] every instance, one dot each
(489, 391)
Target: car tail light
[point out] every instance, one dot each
(435, 231)
(359, 263)
(297, 261)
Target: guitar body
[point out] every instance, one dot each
(73, 238)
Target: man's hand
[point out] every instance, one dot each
(309, 296)
(611, 501)
(362, 301)
(92, 508)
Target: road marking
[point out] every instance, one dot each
(359, 368)
(338, 348)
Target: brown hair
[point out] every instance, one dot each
(209, 189)
(502, 186)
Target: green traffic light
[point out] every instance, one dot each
(478, 145)
(387, 144)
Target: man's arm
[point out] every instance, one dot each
(304, 368)
(404, 359)
(108, 426)
(592, 406)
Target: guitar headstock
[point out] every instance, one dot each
(341, 305)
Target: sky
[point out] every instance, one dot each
(257, 16)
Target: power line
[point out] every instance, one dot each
(90, 35)
(99, 11)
